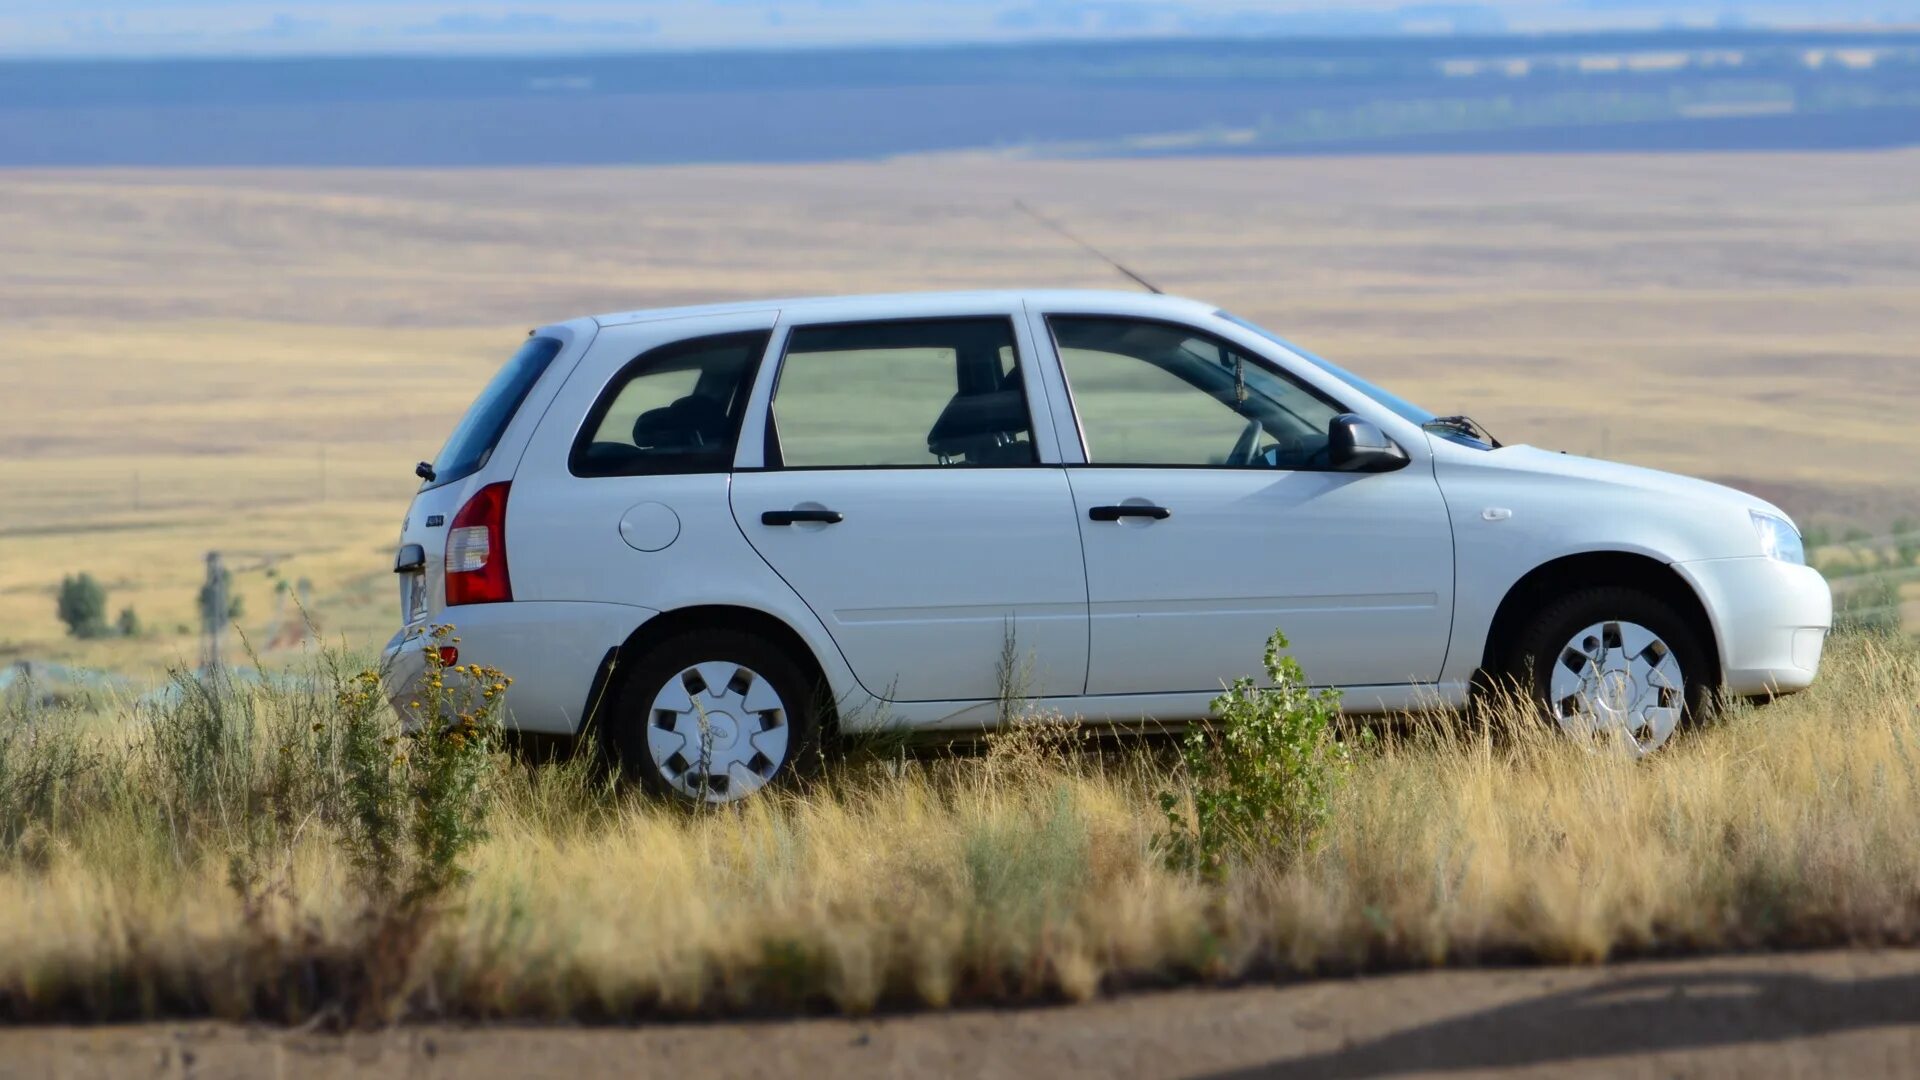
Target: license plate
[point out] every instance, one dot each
(413, 597)
(410, 565)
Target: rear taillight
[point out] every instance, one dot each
(477, 550)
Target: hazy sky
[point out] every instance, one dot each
(175, 27)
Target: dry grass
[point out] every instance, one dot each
(1024, 874)
(202, 336)
(1749, 317)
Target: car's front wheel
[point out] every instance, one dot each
(1613, 664)
(713, 715)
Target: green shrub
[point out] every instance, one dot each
(416, 805)
(1261, 776)
(128, 623)
(82, 605)
(417, 801)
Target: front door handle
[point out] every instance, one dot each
(789, 517)
(1115, 513)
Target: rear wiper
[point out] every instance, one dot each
(1464, 425)
(424, 471)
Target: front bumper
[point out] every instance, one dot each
(1771, 620)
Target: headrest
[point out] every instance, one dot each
(691, 421)
(971, 422)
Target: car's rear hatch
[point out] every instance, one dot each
(483, 450)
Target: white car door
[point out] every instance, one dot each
(1210, 519)
(903, 494)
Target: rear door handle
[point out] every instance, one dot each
(1115, 513)
(789, 517)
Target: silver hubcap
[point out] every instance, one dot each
(717, 731)
(1618, 680)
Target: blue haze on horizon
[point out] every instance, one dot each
(176, 28)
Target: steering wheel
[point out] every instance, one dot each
(1243, 447)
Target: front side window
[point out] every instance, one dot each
(674, 409)
(924, 392)
(1153, 393)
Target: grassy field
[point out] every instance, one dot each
(252, 360)
(217, 856)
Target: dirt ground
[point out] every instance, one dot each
(1849, 1014)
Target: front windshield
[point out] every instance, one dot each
(1401, 407)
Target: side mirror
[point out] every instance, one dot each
(1355, 444)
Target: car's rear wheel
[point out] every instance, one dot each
(714, 715)
(1613, 665)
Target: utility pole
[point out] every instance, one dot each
(213, 613)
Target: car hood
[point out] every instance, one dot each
(1550, 463)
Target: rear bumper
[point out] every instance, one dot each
(552, 651)
(1771, 619)
(403, 670)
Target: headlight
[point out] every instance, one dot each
(1778, 538)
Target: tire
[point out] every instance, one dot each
(1602, 663)
(678, 732)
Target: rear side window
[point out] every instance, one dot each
(472, 442)
(674, 409)
(932, 392)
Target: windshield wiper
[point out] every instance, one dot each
(1463, 425)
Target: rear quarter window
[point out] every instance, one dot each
(676, 408)
(473, 440)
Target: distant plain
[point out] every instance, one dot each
(252, 360)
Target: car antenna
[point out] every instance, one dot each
(1021, 205)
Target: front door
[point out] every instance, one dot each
(1210, 519)
(905, 501)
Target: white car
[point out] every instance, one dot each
(720, 532)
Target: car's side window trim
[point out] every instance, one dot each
(1260, 360)
(772, 458)
(1067, 444)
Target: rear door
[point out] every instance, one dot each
(906, 492)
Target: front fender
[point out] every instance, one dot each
(1516, 509)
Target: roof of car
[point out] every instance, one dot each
(907, 303)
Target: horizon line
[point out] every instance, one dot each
(476, 51)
